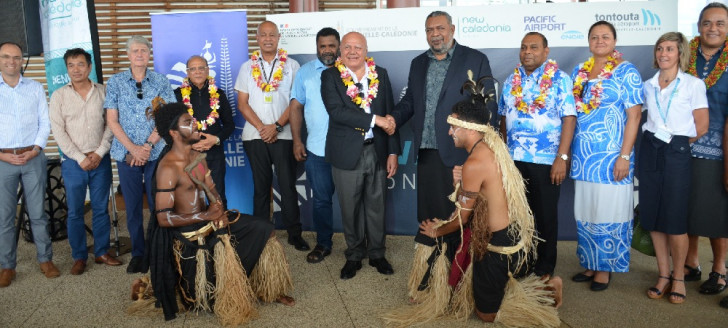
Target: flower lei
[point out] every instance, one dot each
(596, 90)
(352, 90)
(271, 85)
(717, 71)
(186, 90)
(544, 85)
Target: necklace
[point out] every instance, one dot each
(717, 71)
(352, 90)
(277, 74)
(186, 90)
(545, 83)
(475, 144)
(596, 89)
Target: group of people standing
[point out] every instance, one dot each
(493, 233)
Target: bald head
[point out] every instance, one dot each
(354, 50)
(268, 37)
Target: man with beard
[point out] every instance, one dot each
(433, 88)
(306, 96)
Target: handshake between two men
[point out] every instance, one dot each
(386, 123)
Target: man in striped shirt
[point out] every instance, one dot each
(79, 126)
(24, 113)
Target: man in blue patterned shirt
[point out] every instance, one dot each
(24, 111)
(136, 145)
(537, 123)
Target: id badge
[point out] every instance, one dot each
(268, 97)
(664, 135)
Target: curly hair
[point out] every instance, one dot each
(166, 118)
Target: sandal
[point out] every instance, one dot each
(711, 286)
(693, 274)
(656, 293)
(318, 254)
(675, 297)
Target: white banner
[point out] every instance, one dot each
(490, 27)
(64, 25)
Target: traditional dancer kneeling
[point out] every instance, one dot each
(217, 261)
(490, 273)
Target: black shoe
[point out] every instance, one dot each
(724, 302)
(135, 265)
(598, 286)
(711, 286)
(694, 274)
(350, 268)
(299, 243)
(318, 254)
(382, 265)
(581, 277)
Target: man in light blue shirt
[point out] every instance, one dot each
(538, 120)
(24, 113)
(306, 98)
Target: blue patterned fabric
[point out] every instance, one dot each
(604, 246)
(436, 72)
(710, 145)
(534, 138)
(121, 94)
(598, 135)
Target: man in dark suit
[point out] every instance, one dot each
(362, 149)
(433, 88)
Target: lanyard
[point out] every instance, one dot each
(669, 102)
(272, 68)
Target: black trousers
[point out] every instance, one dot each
(434, 185)
(543, 197)
(262, 157)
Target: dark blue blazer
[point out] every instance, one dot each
(412, 105)
(348, 123)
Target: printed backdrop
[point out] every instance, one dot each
(396, 36)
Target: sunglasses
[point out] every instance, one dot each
(361, 89)
(140, 94)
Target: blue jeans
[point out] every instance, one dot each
(318, 172)
(33, 175)
(98, 181)
(134, 181)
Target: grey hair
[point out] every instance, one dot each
(196, 57)
(139, 40)
(710, 6)
(438, 13)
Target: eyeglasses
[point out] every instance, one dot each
(140, 94)
(14, 58)
(196, 69)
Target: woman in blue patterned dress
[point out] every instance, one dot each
(608, 95)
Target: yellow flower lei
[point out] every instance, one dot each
(275, 80)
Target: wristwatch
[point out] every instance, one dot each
(279, 127)
(217, 142)
(564, 157)
(151, 144)
(624, 157)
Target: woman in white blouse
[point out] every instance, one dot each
(677, 115)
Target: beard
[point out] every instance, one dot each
(327, 58)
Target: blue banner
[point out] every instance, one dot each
(221, 37)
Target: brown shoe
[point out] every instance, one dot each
(79, 266)
(6, 276)
(108, 260)
(49, 269)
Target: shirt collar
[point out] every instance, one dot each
(655, 81)
(131, 76)
(20, 80)
(318, 65)
(537, 72)
(449, 51)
